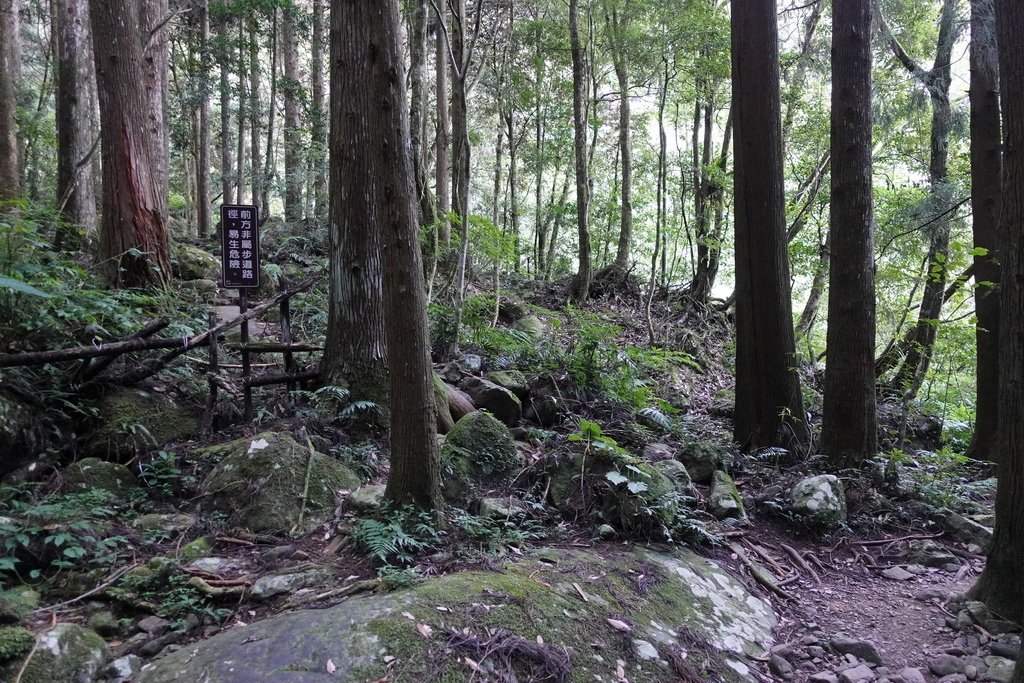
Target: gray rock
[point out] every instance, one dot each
(653, 452)
(123, 669)
(211, 565)
(820, 500)
(823, 677)
(497, 400)
(953, 678)
(1007, 650)
(930, 554)
(366, 498)
(532, 326)
(93, 473)
(153, 625)
(1000, 669)
(103, 622)
(946, 664)
(929, 594)
(857, 674)
(897, 574)
(861, 649)
(170, 524)
(606, 531)
(676, 471)
(911, 675)
(780, 667)
(701, 459)
(67, 653)
(202, 288)
(267, 587)
(968, 530)
(513, 380)
(644, 650)
(724, 501)
(501, 508)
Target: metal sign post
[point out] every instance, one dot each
(240, 265)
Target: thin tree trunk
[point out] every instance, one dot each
(226, 173)
(318, 116)
(849, 431)
(769, 407)
(513, 183)
(540, 236)
(817, 291)
(243, 115)
(580, 290)
(255, 114)
(75, 125)
(499, 152)
(986, 183)
(203, 158)
(267, 177)
(441, 168)
(293, 166)
(133, 235)
(417, 105)
(617, 27)
(10, 178)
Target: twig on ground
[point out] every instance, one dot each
(98, 589)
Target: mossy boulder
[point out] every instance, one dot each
(366, 498)
(476, 454)
(202, 289)
(724, 501)
(501, 402)
(532, 326)
(678, 474)
(24, 433)
(92, 473)
(260, 484)
(513, 380)
(67, 653)
(701, 459)
(15, 642)
(133, 421)
(16, 603)
(201, 547)
(819, 500)
(533, 600)
(633, 496)
(189, 262)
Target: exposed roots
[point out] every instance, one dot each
(508, 656)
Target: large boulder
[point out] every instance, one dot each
(513, 380)
(262, 484)
(477, 453)
(67, 653)
(547, 399)
(189, 262)
(24, 433)
(133, 421)
(501, 402)
(820, 500)
(532, 326)
(529, 621)
(93, 473)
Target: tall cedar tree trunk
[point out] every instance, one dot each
(540, 229)
(580, 291)
(986, 181)
(74, 104)
(133, 234)
(267, 177)
(417, 104)
(242, 116)
(355, 354)
(255, 116)
(999, 585)
(10, 180)
(318, 117)
(617, 30)
(293, 166)
(414, 476)
(441, 167)
(203, 158)
(917, 347)
(226, 173)
(153, 18)
(460, 161)
(769, 407)
(849, 431)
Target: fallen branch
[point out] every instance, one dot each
(912, 537)
(207, 588)
(365, 586)
(89, 593)
(93, 370)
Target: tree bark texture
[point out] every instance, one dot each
(293, 157)
(355, 355)
(580, 290)
(441, 162)
(414, 476)
(769, 407)
(203, 158)
(617, 29)
(417, 105)
(153, 20)
(318, 124)
(999, 585)
(133, 233)
(986, 182)
(10, 178)
(849, 430)
(75, 104)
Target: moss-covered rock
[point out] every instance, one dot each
(534, 600)
(93, 473)
(67, 653)
(260, 484)
(133, 421)
(505, 405)
(628, 493)
(677, 472)
(532, 326)
(701, 459)
(15, 642)
(513, 380)
(366, 498)
(202, 289)
(16, 603)
(201, 547)
(24, 433)
(189, 262)
(724, 501)
(820, 500)
(477, 452)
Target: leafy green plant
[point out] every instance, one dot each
(494, 536)
(164, 474)
(397, 535)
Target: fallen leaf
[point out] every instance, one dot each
(330, 667)
(540, 640)
(388, 659)
(620, 672)
(620, 625)
(408, 616)
(424, 630)
(580, 591)
(442, 608)
(470, 663)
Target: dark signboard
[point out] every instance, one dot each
(240, 246)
